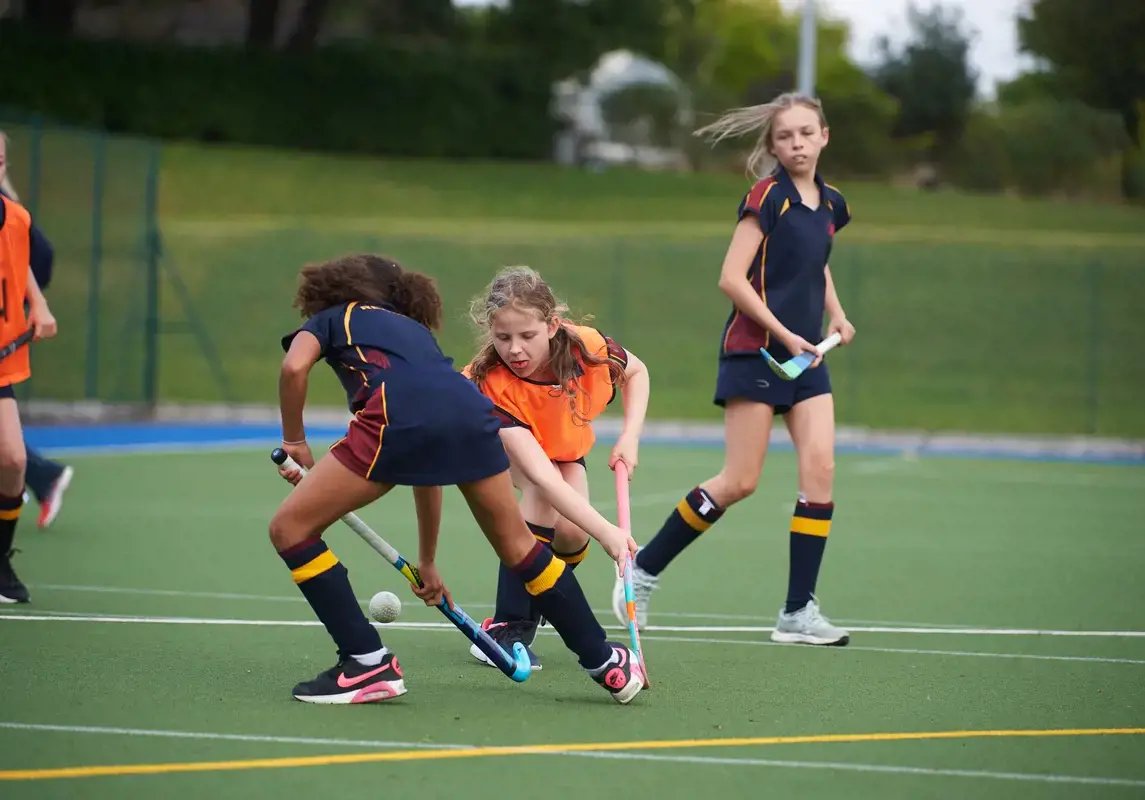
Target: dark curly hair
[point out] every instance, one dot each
(369, 279)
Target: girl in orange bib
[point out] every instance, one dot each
(549, 378)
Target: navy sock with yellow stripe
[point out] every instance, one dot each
(810, 526)
(559, 598)
(692, 516)
(10, 508)
(514, 603)
(574, 558)
(325, 583)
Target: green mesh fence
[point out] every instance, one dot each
(955, 337)
(973, 336)
(94, 196)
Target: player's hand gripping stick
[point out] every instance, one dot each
(792, 368)
(11, 347)
(517, 666)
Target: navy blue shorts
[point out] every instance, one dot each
(8, 391)
(440, 432)
(750, 378)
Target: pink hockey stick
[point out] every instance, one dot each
(624, 520)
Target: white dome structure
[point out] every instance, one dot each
(587, 137)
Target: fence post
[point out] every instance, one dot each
(32, 202)
(95, 267)
(35, 163)
(1094, 376)
(618, 281)
(152, 256)
(854, 309)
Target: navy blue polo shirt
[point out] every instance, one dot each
(366, 345)
(788, 268)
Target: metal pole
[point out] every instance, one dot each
(95, 268)
(152, 255)
(807, 49)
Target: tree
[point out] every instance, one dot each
(569, 36)
(1030, 87)
(1098, 53)
(261, 22)
(409, 20)
(55, 16)
(931, 77)
(745, 52)
(304, 38)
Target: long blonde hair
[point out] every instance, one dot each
(739, 121)
(524, 289)
(5, 182)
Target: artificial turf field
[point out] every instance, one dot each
(996, 607)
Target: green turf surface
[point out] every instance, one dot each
(932, 545)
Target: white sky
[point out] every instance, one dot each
(994, 50)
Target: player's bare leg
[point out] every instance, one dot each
(811, 424)
(747, 431)
(553, 587)
(366, 670)
(12, 464)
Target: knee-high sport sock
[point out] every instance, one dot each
(40, 473)
(325, 583)
(574, 558)
(514, 603)
(692, 516)
(10, 508)
(571, 561)
(810, 526)
(559, 598)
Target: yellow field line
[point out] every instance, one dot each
(524, 750)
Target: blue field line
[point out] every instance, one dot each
(190, 436)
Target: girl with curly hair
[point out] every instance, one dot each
(417, 422)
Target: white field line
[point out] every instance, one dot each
(614, 756)
(229, 737)
(71, 617)
(717, 616)
(899, 650)
(442, 626)
(886, 769)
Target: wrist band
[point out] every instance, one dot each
(300, 441)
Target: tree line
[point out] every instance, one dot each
(463, 81)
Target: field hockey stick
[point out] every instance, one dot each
(624, 519)
(14, 345)
(792, 368)
(517, 666)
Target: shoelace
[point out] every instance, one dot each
(813, 615)
(642, 586)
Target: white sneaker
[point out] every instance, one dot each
(642, 586)
(808, 626)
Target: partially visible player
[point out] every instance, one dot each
(550, 378)
(777, 276)
(417, 422)
(47, 479)
(17, 286)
